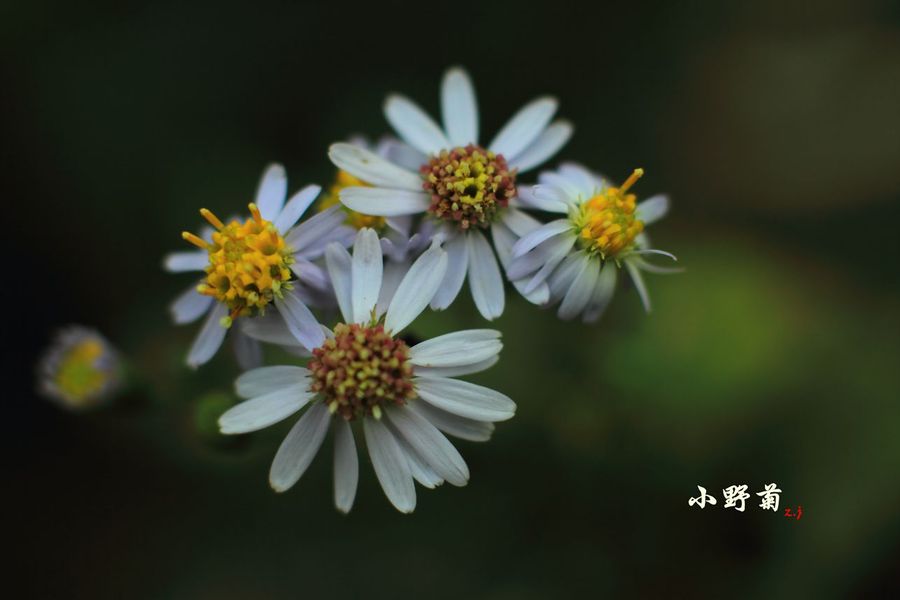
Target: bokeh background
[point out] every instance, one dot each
(773, 125)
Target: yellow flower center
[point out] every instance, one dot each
(606, 223)
(354, 219)
(468, 185)
(248, 264)
(78, 375)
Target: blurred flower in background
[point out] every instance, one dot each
(80, 370)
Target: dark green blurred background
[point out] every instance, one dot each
(774, 127)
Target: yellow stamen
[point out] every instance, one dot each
(190, 237)
(632, 179)
(254, 210)
(213, 219)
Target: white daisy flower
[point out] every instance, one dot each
(460, 184)
(80, 369)
(580, 254)
(402, 398)
(254, 263)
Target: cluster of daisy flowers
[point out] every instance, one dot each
(404, 226)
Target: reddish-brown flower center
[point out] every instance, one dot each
(361, 370)
(468, 185)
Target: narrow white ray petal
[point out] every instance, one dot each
(655, 251)
(465, 399)
(268, 409)
(457, 348)
(404, 155)
(295, 208)
(582, 288)
(271, 192)
(413, 125)
(304, 237)
(519, 222)
(338, 263)
(210, 337)
(485, 280)
(457, 264)
(581, 177)
(532, 261)
(189, 306)
(639, 285)
(299, 448)
(460, 427)
(603, 293)
(643, 265)
(430, 444)
(419, 469)
(536, 236)
(556, 251)
(652, 209)
(310, 274)
(384, 202)
(192, 260)
(268, 379)
(562, 277)
(524, 127)
(373, 169)
(554, 199)
(503, 242)
(468, 369)
(548, 143)
(299, 320)
(393, 275)
(247, 350)
(547, 201)
(346, 466)
(272, 329)
(459, 107)
(365, 274)
(417, 289)
(391, 465)
(567, 190)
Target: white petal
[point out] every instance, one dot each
(566, 189)
(310, 237)
(536, 236)
(264, 380)
(299, 448)
(271, 329)
(638, 283)
(652, 209)
(468, 369)
(299, 320)
(417, 289)
(346, 466)
(546, 145)
(524, 127)
(338, 262)
(465, 399)
(189, 306)
(546, 252)
(603, 293)
(457, 348)
(247, 350)
(461, 427)
(413, 125)
(271, 192)
(391, 466)
(265, 410)
(520, 223)
(581, 290)
(457, 264)
(430, 444)
(295, 208)
(503, 242)
(179, 262)
(459, 108)
(582, 178)
(553, 199)
(404, 155)
(529, 198)
(310, 274)
(373, 169)
(365, 280)
(485, 280)
(561, 279)
(554, 251)
(393, 275)
(384, 202)
(420, 469)
(210, 337)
